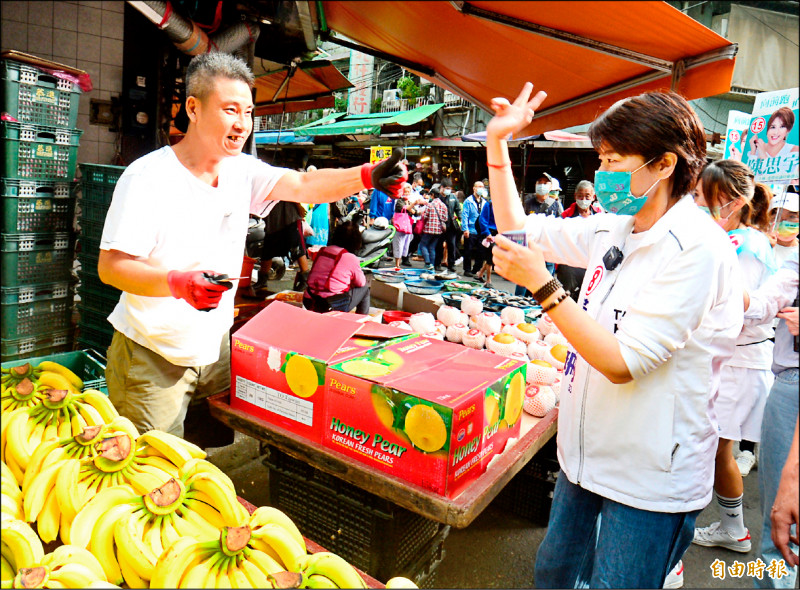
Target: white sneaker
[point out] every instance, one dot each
(746, 461)
(716, 536)
(457, 262)
(674, 578)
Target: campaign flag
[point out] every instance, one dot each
(771, 146)
(736, 131)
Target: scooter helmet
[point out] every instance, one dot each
(380, 223)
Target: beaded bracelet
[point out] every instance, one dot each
(561, 298)
(547, 289)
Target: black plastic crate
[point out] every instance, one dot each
(530, 493)
(36, 206)
(373, 534)
(94, 318)
(91, 284)
(95, 337)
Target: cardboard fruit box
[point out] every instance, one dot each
(280, 357)
(429, 412)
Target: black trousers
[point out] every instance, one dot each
(472, 255)
(449, 237)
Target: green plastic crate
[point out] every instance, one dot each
(94, 211)
(36, 317)
(31, 95)
(36, 206)
(39, 152)
(96, 319)
(50, 343)
(36, 292)
(101, 302)
(86, 364)
(35, 258)
(105, 174)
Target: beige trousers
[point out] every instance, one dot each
(155, 394)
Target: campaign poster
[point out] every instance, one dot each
(771, 146)
(735, 133)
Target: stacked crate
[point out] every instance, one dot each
(97, 299)
(37, 168)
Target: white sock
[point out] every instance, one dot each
(732, 515)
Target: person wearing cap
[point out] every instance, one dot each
(543, 202)
(783, 211)
(585, 205)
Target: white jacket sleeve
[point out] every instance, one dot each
(564, 241)
(776, 293)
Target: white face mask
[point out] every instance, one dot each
(583, 203)
(542, 189)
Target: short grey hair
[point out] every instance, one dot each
(584, 184)
(203, 68)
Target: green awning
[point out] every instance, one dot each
(371, 124)
(322, 121)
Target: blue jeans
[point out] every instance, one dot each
(777, 429)
(595, 542)
(427, 247)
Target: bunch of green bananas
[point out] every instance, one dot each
(65, 567)
(61, 413)
(129, 531)
(11, 501)
(21, 385)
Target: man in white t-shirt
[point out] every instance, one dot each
(178, 220)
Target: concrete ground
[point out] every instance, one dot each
(498, 549)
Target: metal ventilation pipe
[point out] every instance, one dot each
(190, 38)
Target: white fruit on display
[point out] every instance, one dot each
(519, 356)
(448, 315)
(537, 349)
(512, 315)
(472, 324)
(440, 327)
(422, 322)
(554, 338)
(546, 325)
(523, 331)
(541, 373)
(474, 339)
(557, 356)
(504, 344)
(401, 325)
(455, 333)
(489, 323)
(435, 335)
(539, 400)
(471, 306)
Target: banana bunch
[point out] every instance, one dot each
(62, 413)
(129, 532)
(328, 570)
(226, 562)
(400, 582)
(11, 501)
(21, 384)
(66, 567)
(20, 548)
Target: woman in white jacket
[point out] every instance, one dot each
(658, 314)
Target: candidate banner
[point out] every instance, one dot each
(771, 146)
(734, 134)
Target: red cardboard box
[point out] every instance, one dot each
(279, 359)
(430, 412)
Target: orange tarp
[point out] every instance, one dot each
(478, 58)
(310, 87)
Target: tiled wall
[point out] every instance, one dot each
(86, 35)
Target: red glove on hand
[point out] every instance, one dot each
(387, 175)
(201, 289)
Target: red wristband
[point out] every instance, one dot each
(498, 165)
